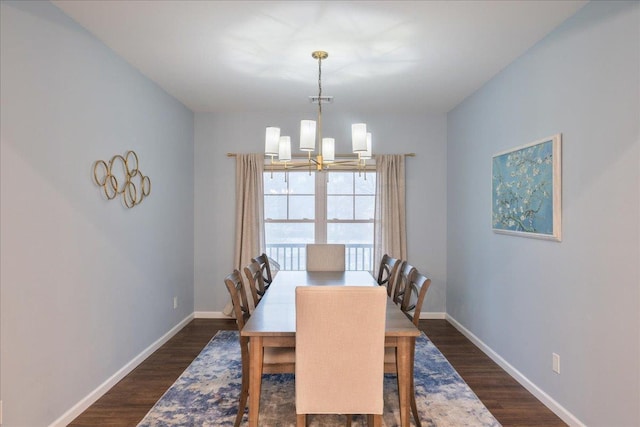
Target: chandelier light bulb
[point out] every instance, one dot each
(271, 140)
(284, 149)
(359, 137)
(328, 150)
(307, 135)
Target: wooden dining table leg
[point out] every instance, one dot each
(412, 386)
(403, 366)
(255, 378)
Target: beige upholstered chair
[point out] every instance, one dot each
(275, 360)
(269, 268)
(402, 280)
(256, 282)
(340, 351)
(411, 305)
(388, 272)
(325, 257)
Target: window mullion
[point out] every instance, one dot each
(288, 196)
(353, 196)
(321, 207)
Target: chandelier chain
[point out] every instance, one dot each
(319, 125)
(320, 84)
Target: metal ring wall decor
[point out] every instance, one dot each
(119, 176)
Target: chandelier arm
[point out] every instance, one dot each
(290, 166)
(347, 162)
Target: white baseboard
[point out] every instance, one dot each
(211, 315)
(81, 406)
(221, 315)
(547, 400)
(433, 315)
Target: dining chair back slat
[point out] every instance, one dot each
(256, 282)
(414, 296)
(388, 272)
(238, 293)
(402, 281)
(265, 266)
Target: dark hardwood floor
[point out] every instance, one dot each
(508, 401)
(129, 400)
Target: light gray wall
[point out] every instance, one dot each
(218, 134)
(527, 298)
(87, 284)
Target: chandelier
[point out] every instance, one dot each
(310, 132)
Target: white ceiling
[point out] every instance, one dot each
(383, 55)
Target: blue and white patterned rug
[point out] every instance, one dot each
(207, 392)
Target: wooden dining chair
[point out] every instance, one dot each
(325, 257)
(413, 297)
(402, 280)
(256, 282)
(275, 360)
(274, 266)
(340, 334)
(388, 272)
(411, 305)
(269, 268)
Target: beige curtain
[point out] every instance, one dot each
(249, 208)
(249, 211)
(390, 234)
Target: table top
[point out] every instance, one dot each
(276, 313)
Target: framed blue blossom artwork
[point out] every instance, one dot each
(526, 186)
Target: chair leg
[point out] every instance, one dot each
(244, 395)
(412, 398)
(301, 420)
(374, 420)
(241, 406)
(414, 408)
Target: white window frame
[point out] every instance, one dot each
(321, 221)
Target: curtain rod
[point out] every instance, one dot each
(337, 155)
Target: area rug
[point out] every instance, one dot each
(207, 392)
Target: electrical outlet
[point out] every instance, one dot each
(556, 363)
(175, 302)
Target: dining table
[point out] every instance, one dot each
(273, 324)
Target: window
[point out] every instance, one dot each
(328, 207)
